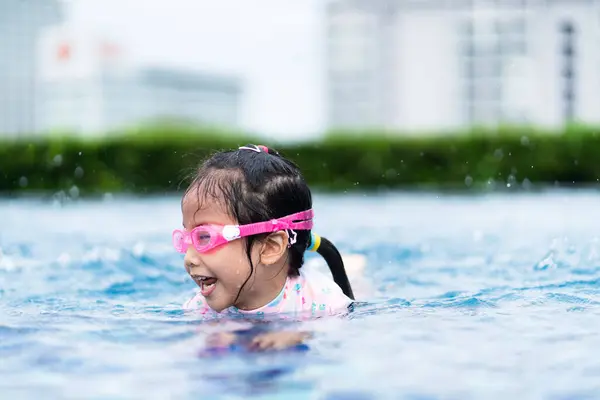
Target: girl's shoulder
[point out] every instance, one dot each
(321, 292)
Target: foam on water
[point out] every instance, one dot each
(461, 297)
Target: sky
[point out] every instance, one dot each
(275, 46)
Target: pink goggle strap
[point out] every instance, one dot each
(304, 219)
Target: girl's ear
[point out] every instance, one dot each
(273, 248)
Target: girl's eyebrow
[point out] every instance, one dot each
(198, 224)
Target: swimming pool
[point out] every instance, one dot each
(487, 296)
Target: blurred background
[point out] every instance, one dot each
(414, 77)
(94, 66)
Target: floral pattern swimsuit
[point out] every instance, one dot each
(311, 293)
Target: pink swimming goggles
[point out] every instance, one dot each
(206, 237)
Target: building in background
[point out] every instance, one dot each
(436, 65)
(21, 22)
(88, 85)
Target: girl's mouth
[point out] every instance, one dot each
(207, 284)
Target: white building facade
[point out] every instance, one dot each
(21, 23)
(88, 86)
(417, 66)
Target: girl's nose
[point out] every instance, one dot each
(191, 258)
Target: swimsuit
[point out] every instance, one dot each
(311, 293)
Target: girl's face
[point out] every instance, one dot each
(221, 272)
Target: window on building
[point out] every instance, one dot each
(493, 56)
(568, 55)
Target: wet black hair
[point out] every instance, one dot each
(259, 185)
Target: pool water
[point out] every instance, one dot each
(491, 296)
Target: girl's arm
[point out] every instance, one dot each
(278, 340)
(257, 338)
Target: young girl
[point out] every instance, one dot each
(247, 220)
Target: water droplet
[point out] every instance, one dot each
(546, 262)
(58, 159)
(23, 181)
(80, 153)
(74, 192)
(499, 154)
(468, 180)
(524, 140)
(511, 181)
(78, 172)
(59, 198)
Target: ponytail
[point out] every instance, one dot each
(334, 261)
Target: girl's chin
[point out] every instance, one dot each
(217, 302)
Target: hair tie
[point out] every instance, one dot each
(256, 148)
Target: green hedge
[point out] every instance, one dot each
(158, 160)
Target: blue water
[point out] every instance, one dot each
(493, 296)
